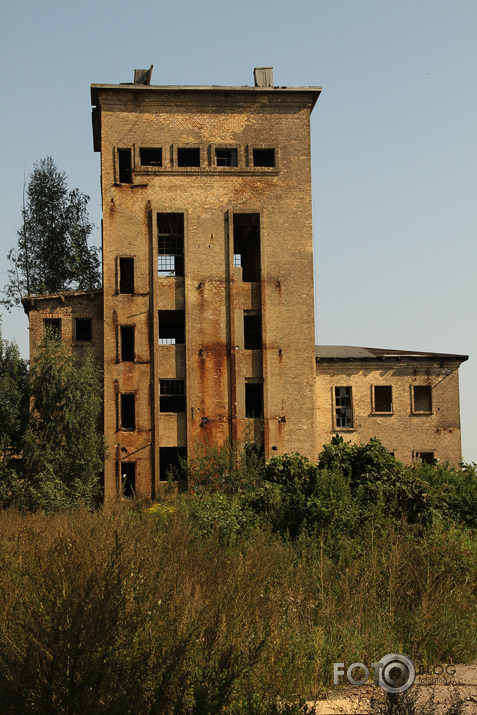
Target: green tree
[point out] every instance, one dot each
(14, 400)
(52, 252)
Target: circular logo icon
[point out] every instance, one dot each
(396, 673)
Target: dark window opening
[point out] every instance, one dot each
(425, 457)
(83, 330)
(422, 398)
(343, 406)
(128, 478)
(247, 245)
(383, 398)
(126, 275)
(52, 327)
(150, 157)
(188, 157)
(169, 462)
(172, 396)
(252, 332)
(127, 343)
(226, 157)
(170, 244)
(264, 157)
(128, 411)
(125, 166)
(253, 399)
(171, 327)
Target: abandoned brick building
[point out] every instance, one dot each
(205, 325)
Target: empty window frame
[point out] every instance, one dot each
(226, 157)
(125, 166)
(170, 244)
(263, 157)
(422, 398)
(426, 457)
(83, 330)
(126, 274)
(128, 410)
(150, 157)
(253, 399)
(170, 462)
(52, 327)
(188, 156)
(246, 230)
(343, 408)
(127, 347)
(171, 327)
(128, 478)
(172, 397)
(383, 398)
(252, 331)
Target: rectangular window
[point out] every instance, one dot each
(226, 157)
(264, 157)
(125, 166)
(127, 343)
(422, 398)
(252, 331)
(170, 462)
(343, 407)
(128, 410)
(172, 396)
(52, 327)
(188, 157)
(253, 399)
(170, 244)
(150, 157)
(128, 478)
(246, 228)
(383, 398)
(171, 327)
(426, 457)
(83, 330)
(126, 275)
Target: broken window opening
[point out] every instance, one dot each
(52, 328)
(425, 457)
(126, 275)
(422, 398)
(172, 397)
(128, 478)
(170, 462)
(128, 411)
(188, 157)
(171, 327)
(83, 330)
(170, 244)
(383, 398)
(125, 166)
(150, 157)
(246, 228)
(226, 157)
(127, 343)
(343, 407)
(253, 399)
(252, 331)
(264, 157)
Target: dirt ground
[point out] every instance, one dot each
(351, 700)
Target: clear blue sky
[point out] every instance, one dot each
(393, 140)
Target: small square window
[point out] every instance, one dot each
(52, 327)
(188, 157)
(383, 398)
(264, 157)
(83, 330)
(343, 407)
(150, 157)
(422, 398)
(226, 157)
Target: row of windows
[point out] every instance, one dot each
(193, 157)
(382, 402)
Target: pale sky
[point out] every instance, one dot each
(394, 144)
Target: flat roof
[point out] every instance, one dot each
(353, 352)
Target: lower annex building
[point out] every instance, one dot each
(204, 328)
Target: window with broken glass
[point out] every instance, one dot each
(343, 407)
(170, 244)
(172, 396)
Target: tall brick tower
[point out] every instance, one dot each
(207, 271)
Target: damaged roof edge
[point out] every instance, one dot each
(351, 352)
